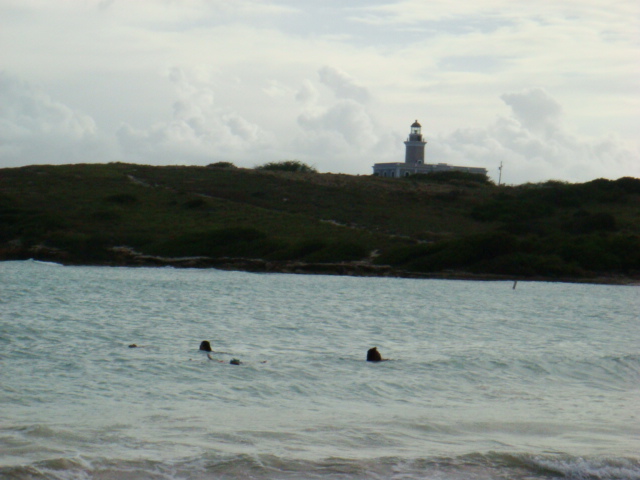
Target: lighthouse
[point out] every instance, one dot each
(415, 145)
(414, 160)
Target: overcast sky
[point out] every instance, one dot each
(549, 88)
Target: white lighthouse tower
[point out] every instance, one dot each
(415, 146)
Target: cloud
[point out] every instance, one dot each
(534, 109)
(34, 128)
(277, 89)
(533, 145)
(332, 132)
(105, 4)
(343, 85)
(198, 131)
(308, 93)
(336, 125)
(481, 63)
(342, 131)
(345, 124)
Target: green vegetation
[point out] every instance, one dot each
(453, 177)
(221, 165)
(287, 166)
(439, 224)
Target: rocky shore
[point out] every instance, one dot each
(128, 257)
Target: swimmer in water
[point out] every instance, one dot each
(213, 359)
(205, 346)
(373, 355)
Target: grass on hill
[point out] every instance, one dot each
(421, 224)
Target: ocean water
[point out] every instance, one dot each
(484, 382)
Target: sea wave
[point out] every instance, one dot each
(42, 262)
(478, 466)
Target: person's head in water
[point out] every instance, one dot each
(205, 346)
(373, 355)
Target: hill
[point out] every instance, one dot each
(451, 225)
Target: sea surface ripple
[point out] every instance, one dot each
(485, 381)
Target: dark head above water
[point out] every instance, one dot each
(205, 346)
(373, 355)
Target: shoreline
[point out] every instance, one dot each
(126, 257)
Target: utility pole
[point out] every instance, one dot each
(500, 176)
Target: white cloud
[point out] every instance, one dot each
(342, 131)
(534, 145)
(276, 88)
(534, 109)
(199, 130)
(343, 85)
(37, 129)
(307, 94)
(344, 125)
(333, 84)
(105, 4)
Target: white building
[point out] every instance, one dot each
(414, 160)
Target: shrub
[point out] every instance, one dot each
(227, 242)
(338, 251)
(457, 253)
(402, 255)
(528, 265)
(221, 165)
(122, 199)
(194, 203)
(451, 177)
(287, 166)
(629, 184)
(628, 248)
(33, 225)
(105, 216)
(299, 250)
(465, 252)
(82, 246)
(9, 214)
(592, 252)
(584, 222)
(512, 208)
